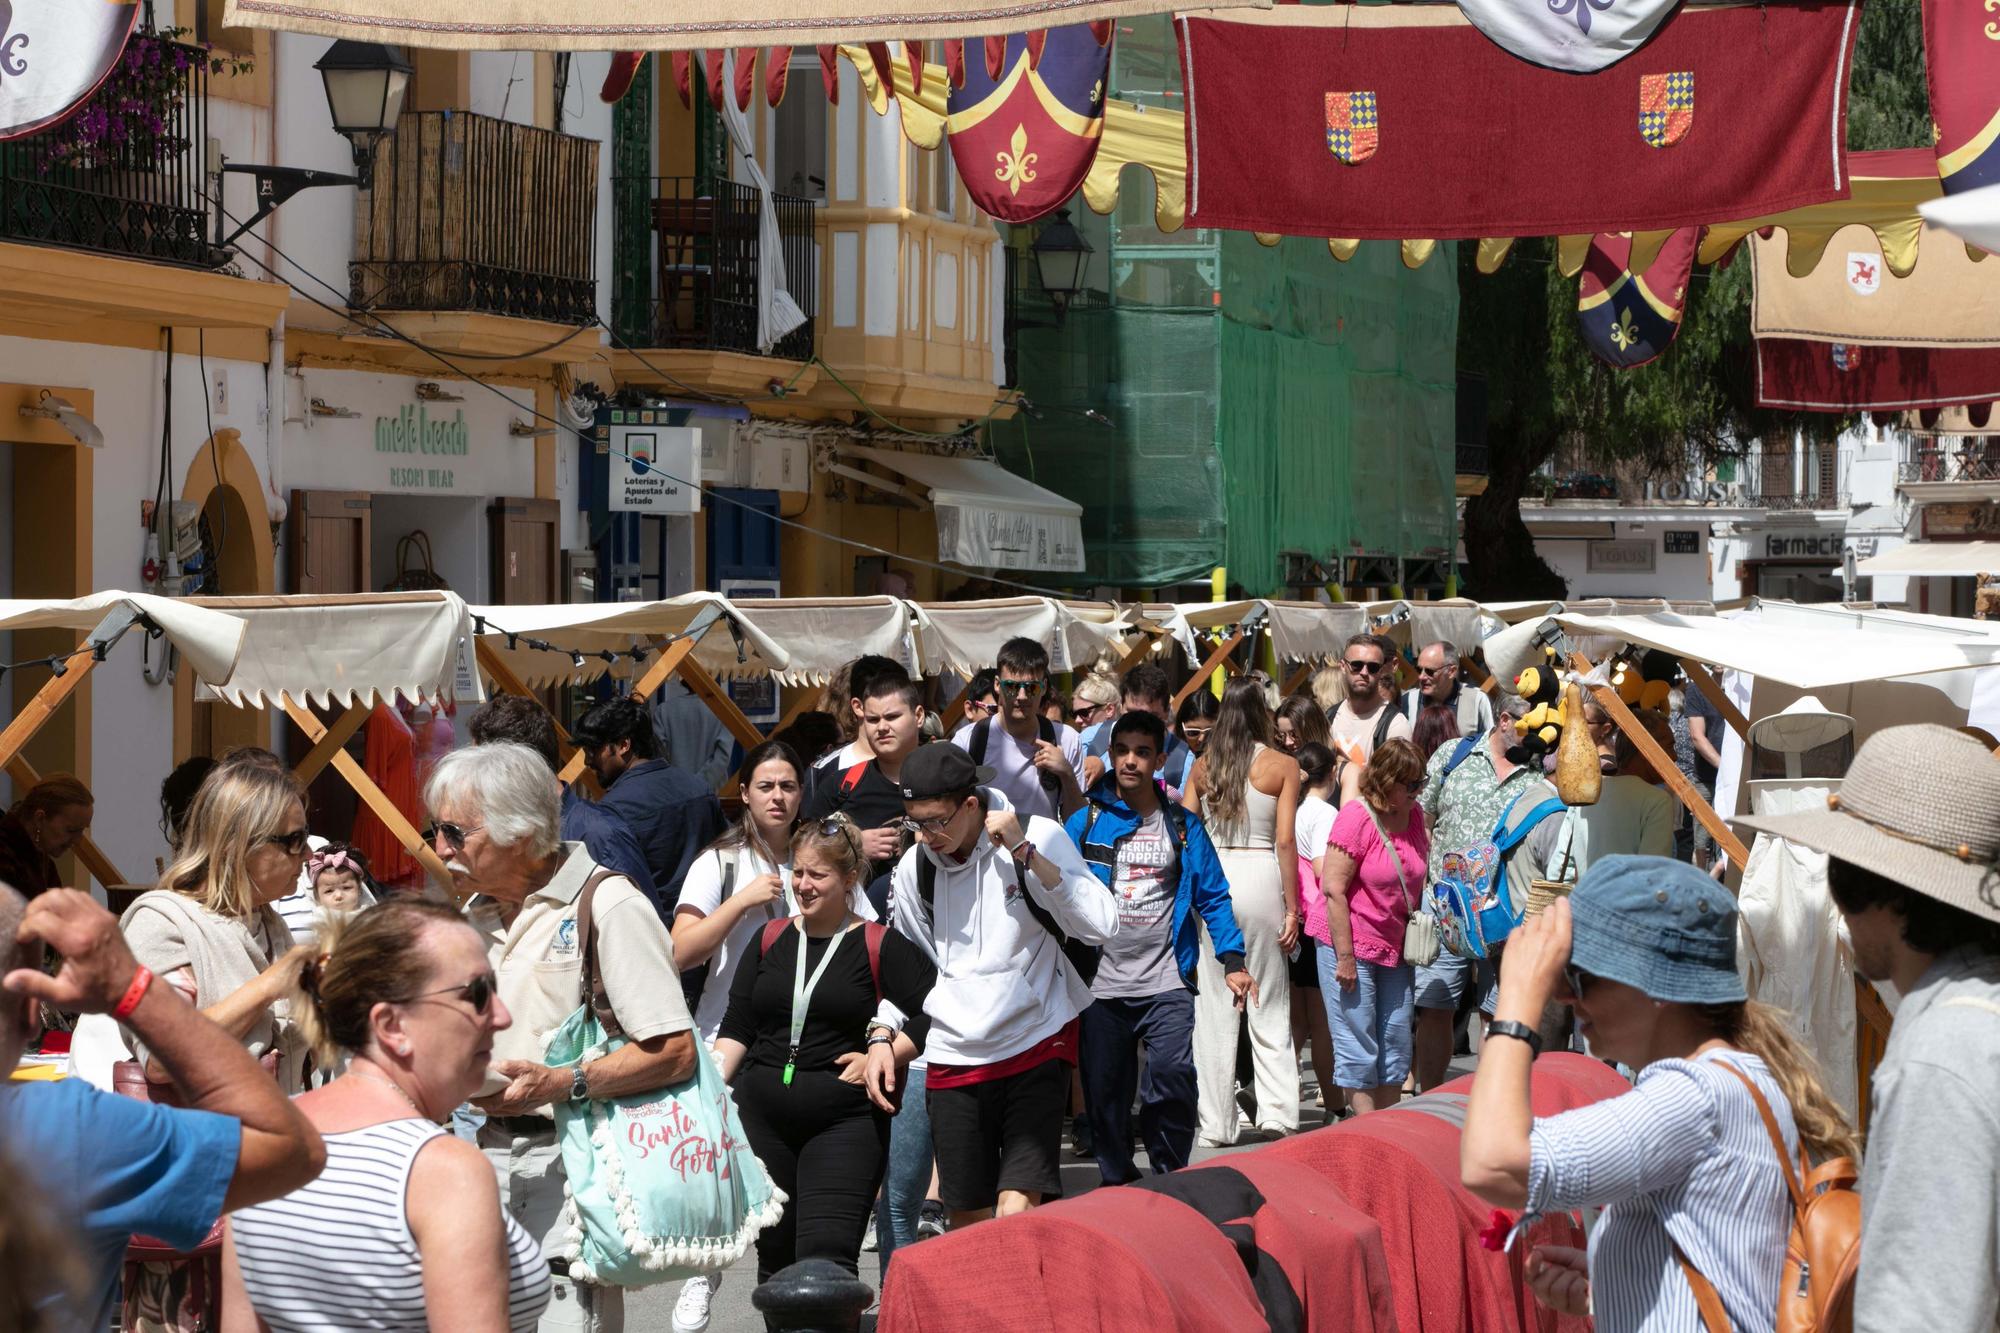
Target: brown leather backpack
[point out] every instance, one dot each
(1823, 1253)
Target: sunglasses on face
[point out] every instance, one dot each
(1018, 686)
(1576, 979)
(1195, 735)
(454, 835)
(1087, 711)
(1414, 788)
(1370, 667)
(1432, 671)
(291, 844)
(977, 708)
(477, 992)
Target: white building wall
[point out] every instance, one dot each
(1675, 577)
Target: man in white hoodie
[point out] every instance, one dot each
(984, 893)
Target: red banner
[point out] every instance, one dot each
(1392, 121)
(1848, 377)
(1962, 62)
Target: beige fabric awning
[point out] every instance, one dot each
(622, 629)
(989, 518)
(1943, 559)
(360, 648)
(965, 637)
(1946, 301)
(208, 640)
(1791, 652)
(1300, 631)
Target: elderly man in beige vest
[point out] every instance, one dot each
(497, 813)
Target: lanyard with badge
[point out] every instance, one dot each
(803, 989)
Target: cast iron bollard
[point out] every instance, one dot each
(813, 1296)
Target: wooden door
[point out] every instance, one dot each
(330, 535)
(527, 552)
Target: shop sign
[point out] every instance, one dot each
(1682, 543)
(1978, 518)
(1631, 556)
(654, 470)
(424, 447)
(1803, 545)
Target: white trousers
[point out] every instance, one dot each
(1259, 903)
(531, 1188)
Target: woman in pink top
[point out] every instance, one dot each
(1372, 876)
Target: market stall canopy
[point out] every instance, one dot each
(965, 637)
(1943, 559)
(671, 25)
(616, 638)
(987, 517)
(820, 635)
(208, 640)
(1791, 653)
(1300, 631)
(355, 648)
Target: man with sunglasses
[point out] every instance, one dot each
(497, 822)
(1367, 716)
(1037, 763)
(985, 893)
(1439, 682)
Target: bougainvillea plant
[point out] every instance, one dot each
(134, 120)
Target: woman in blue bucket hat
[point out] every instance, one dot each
(1692, 1189)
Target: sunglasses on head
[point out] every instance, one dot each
(291, 844)
(477, 992)
(839, 826)
(454, 834)
(1365, 666)
(1018, 686)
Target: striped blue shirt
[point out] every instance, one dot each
(1683, 1157)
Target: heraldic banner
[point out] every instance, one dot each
(1393, 121)
(1848, 377)
(1962, 63)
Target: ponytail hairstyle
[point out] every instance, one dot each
(1765, 1032)
(834, 840)
(377, 956)
(1243, 724)
(1318, 766)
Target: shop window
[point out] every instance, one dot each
(798, 154)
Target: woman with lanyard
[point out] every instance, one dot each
(815, 1078)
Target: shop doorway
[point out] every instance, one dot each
(240, 556)
(1808, 581)
(330, 542)
(527, 552)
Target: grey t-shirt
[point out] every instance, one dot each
(1139, 960)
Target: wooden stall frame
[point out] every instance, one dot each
(1711, 690)
(327, 743)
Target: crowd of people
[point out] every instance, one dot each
(939, 950)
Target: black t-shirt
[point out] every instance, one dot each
(872, 802)
(760, 998)
(1698, 706)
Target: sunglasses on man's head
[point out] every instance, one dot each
(477, 992)
(291, 844)
(1018, 686)
(454, 834)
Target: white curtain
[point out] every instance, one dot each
(777, 313)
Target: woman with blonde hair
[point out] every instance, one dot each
(1693, 1191)
(41, 828)
(1247, 792)
(209, 927)
(404, 1228)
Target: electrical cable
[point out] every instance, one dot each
(214, 583)
(586, 440)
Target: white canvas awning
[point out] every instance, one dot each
(619, 638)
(359, 648)
(1790, 651)
(819, 635)
(965, 637)
(1943, 559)
(1300, 631)
(208, 640)
(987, 517)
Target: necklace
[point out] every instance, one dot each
(393, 1087)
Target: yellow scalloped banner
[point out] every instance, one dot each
(1155, 140)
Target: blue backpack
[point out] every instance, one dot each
(1471, 901)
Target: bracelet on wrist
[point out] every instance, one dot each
(142, 981)
(881, 1039)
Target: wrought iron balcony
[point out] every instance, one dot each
(124, 174)
(475, 214)
(707, 238)
(1974, 458)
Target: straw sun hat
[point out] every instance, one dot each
(1920, 807)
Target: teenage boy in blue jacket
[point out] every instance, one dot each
(1160, 866)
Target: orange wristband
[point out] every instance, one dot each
(134, 993)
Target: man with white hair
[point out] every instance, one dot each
(497, 822)
(1439, 682)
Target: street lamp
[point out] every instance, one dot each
(365, 82)
(1061, 255)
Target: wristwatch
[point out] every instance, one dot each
(579, 1085)
(1518, 1031)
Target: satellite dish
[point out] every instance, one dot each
(53, 56)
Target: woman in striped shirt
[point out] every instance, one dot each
(403, 1230)
(1683, 1167)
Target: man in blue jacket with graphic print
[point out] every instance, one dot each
(1157, 861)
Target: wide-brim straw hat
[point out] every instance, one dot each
(1920, 807)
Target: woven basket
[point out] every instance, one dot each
(1542, 892)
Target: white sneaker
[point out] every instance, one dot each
(691, 1310)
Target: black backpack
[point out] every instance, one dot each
(982, 732)
(1083, 957)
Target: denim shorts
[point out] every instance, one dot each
(1441, 985)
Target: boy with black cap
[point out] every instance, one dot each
(995, 900)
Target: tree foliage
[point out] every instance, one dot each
(1546, 393)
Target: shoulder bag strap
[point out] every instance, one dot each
(1382, 727)
(772, 932)
(1777, 1135)
(593, 992)
(1714, 1318)
(982, 734)
(1394, 857)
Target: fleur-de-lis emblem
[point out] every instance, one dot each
(1623, 335)
(11, 61)
(1017, 164)
(1581, 8)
